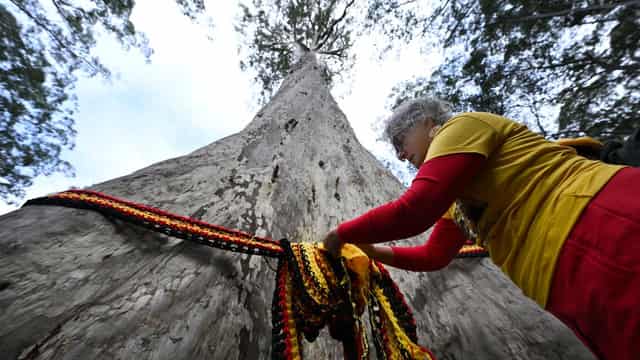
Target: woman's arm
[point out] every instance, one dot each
(382, 253)
(438, 182)
(443, 245)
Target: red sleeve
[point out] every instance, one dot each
(438, 182)
(443, 245)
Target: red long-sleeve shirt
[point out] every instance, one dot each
(438, 182)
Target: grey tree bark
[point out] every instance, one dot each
(77, 285)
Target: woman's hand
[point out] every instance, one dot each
(381, 253)
(332, 243)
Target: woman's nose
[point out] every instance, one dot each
(402, 155)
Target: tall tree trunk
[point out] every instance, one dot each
(75, 284)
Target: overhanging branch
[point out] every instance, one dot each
(325, 36)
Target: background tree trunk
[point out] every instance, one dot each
(78, 285)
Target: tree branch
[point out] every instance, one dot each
(609, 66)
(335, 52)
(399, 5)
(404, 3)
(54, 36)
(596, 8)
(534, 105)
(325, 36)
(452, 32)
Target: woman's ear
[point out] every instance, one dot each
(434, 131)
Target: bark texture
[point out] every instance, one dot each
(77, 285)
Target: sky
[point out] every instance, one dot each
(194, 93)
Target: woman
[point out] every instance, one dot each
(564, 228)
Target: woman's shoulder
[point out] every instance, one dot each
(468, 133)
(487, 117)
(499, 123)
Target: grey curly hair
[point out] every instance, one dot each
(412, 112)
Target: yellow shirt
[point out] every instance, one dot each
(532, 191)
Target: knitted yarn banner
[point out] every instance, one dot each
(313, 289)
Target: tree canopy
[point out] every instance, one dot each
(43, 48)
(568, 68)
(276, 32)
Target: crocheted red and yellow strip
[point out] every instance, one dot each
(162, 221)
(396, 299)
(183, 227)
(367, 284)
(472, 250)
(285, 340)
(396, 338)
(393, 339)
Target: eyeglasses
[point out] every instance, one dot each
(399, 145)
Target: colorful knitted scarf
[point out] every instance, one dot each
(313, 289)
